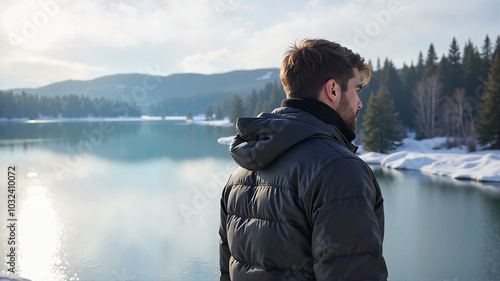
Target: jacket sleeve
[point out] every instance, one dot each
(348, 223)
(224, 253)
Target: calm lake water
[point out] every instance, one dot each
(139, 200)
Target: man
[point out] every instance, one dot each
(302, 205)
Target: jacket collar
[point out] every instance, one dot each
(262, 139)
(323, 112)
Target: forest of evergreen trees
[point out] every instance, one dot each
(33, 106)
(440, 96)
(265, 100)
(437, 96)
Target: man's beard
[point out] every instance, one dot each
(346, 114)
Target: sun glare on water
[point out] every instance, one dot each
(40, 235)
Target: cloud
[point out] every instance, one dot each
(109, 23)
(263, 46)
(44, 70)
(205, 62)
(107, 36)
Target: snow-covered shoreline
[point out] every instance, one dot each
(422, 155)
(197, 120)
(457, 163)
(91, 118)
(225, 140)
(201, 121)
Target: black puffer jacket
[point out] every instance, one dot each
(301, 206)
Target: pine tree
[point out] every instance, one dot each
(237, 109)
(486, 56)
(454, 53)
(209, 115)
(496, 51)
(471, 67)
(373, 86)
(420, 66)
(489, 112)
(258, 108)
(430, 63)
(445, 76)
(404, 73)
(391, 81)
(251, 103)
(380, 123)
(409, 79)
(219, 114)
(455, 59)
(277, 95)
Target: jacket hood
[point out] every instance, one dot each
(262, 139)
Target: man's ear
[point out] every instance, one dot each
(330, 93)
(331, 90)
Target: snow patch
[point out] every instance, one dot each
(424, 156)
(428, 156)
(266, 76)
(200, 120)
(219, 123)
(225, 140)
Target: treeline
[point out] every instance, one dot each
(437, 96)
(195, 104)
(32, 106)
(265, 100)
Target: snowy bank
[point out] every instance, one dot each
(424, 156)
(220, 123)
(225, 140)
(200, 119)
(91, 118)
(456, 163)
(197, 120)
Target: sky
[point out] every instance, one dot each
(47, 41)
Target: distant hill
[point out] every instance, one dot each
(148, 89)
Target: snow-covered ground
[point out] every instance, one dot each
(43, 119)
(225, 140)
(197, 120)
(200, 120)
(422, 155)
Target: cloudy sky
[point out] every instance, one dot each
(47, 41)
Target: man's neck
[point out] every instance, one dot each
(323, 112)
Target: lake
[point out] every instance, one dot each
(139, 200)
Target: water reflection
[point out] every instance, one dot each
(491, 234)
(121, 141)
(395, 177)
(41, 249)
(439, 226)
(113, 221)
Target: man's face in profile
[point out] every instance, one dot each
(350, 104)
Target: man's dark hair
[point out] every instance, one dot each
(308, 66)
